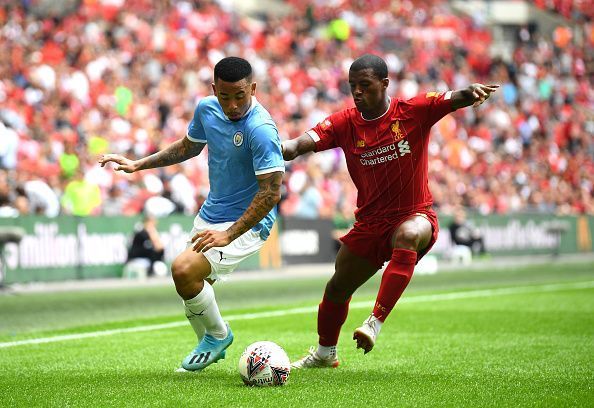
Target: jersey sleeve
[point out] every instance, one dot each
(266, 150)
(430, 107)
(195, 129)
(326, 133)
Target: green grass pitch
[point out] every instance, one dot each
(501, 337)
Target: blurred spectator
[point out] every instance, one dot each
(158, 206)
(146, 252)
(8, 147)
(81, 197)
(180, 190)
(21, 203)
(463, 233)
(7, 210)
(310, 201)
(114, 203)
(69, 162)
(43, 199)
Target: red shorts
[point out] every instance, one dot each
(372, 240)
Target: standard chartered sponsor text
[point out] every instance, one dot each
(368, 159)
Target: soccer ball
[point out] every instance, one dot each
(263, 364)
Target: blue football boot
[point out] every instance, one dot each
(209, 351)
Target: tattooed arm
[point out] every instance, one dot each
(266, 198)
(268, 195)
(176, 152)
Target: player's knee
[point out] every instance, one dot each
(407, 238)
(180, 271)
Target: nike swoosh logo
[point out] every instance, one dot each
(195, 314)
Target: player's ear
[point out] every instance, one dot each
(253, 89)
(214, 88)
(385, 83)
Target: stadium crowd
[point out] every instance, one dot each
(125, 78)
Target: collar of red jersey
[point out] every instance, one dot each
(380, 116)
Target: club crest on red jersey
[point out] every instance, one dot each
(360, 143)
(433, 94)
(325, 124)
(398, 134)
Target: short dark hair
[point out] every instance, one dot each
(232, 69)
(378, 65)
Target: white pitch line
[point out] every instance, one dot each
(313, 309)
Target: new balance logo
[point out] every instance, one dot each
(200, 358)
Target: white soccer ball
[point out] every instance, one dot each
(263, 364)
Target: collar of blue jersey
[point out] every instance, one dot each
(369, 120)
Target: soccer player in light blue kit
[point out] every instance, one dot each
(245, 173)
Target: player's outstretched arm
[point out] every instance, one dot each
(176, 152)
(296, 147)
(474, 95)
(268, 195)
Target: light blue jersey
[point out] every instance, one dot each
(237, 152)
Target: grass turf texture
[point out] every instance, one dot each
(525, 349)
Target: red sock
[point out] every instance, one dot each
(331, 316)
(394, 281)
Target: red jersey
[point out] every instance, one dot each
(386, 157)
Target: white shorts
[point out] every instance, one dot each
(224, 260)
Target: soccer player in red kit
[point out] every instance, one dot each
(385, 142)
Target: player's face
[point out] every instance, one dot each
(234, 97)
(369, 92)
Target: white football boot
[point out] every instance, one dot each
(366, 334)
(312, 360)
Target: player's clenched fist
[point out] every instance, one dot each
(481, 92)
(122, 164)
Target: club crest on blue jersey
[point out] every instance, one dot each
(238, 138)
